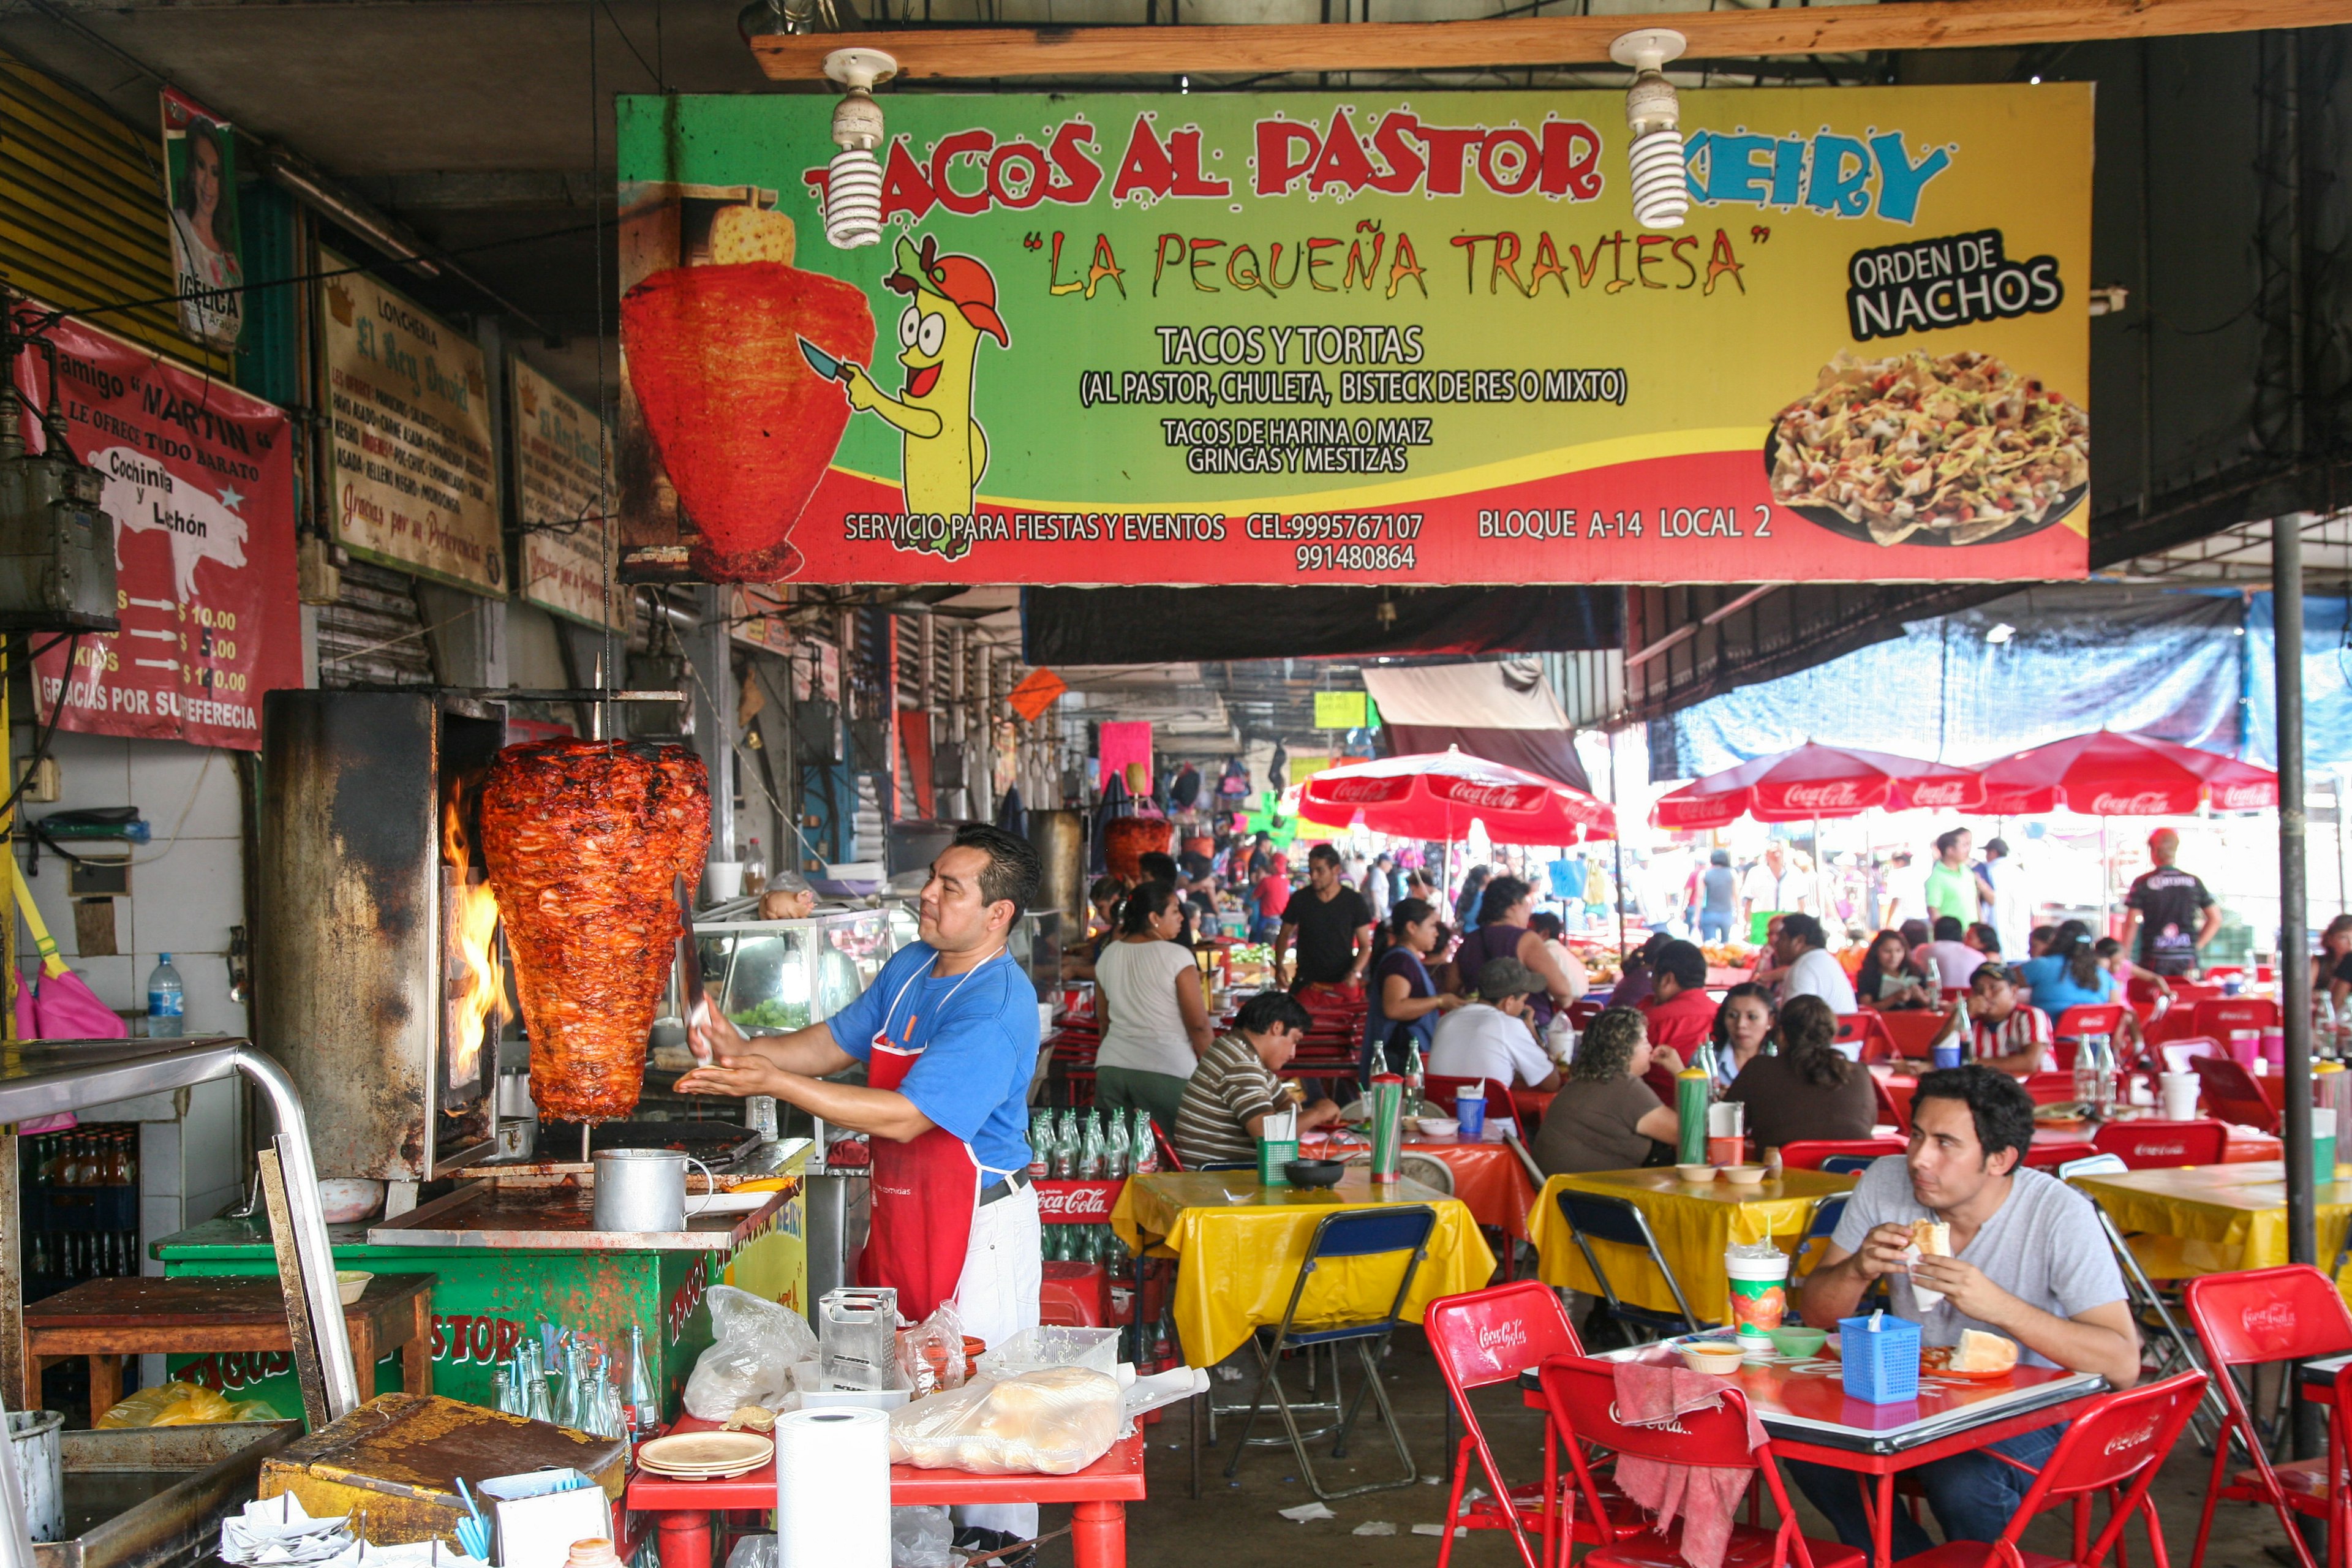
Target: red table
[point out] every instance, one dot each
(1803, 1405)
(682, 1510)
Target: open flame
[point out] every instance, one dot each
(474, 982)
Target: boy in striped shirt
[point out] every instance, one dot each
(2007, 1035)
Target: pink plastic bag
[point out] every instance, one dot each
(62, 1008)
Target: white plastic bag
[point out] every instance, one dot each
(920, 1538)
(751, 1361)
(1052, 1422)
(753, 1552)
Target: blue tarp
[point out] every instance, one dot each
(2075, 658)
(2327, 683)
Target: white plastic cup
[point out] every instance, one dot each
(2180, 1091)
(1759, 1291)
(723, 879)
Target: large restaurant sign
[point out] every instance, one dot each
(1363, 338)
(199, 479)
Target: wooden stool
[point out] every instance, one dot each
(106, 1320)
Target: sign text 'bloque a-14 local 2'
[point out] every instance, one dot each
(1360, 338)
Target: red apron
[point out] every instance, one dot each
(924, 1191)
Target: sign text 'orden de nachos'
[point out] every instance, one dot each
(1266, 338)
(200, 484)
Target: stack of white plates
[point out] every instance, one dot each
(706, 1456)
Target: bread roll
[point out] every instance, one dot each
(750, 234)
(1979, 1351)
(1933, 1237)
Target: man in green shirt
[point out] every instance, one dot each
(1951, 884)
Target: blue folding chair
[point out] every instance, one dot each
(1403, 1230)
(1848, 1165)
(1591, 1218)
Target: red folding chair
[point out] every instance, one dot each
(2288, 1314)
(2155, 1145)
(2218, 1016)
(2115, 1447)
(2231, 1094)
(1439, 1090)
(2049, 1088)
(2091, 1018)
(1869, 1029)
(1807, 1154)
(1580, 1396)
(1890, 1111)
(2179, 1053)
(1481, 1339)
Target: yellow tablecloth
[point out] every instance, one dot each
(1239, 1245)
(2211, 1219)
(1693, 1222)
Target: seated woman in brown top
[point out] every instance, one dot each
(1808, 1091)
(1604, 1118)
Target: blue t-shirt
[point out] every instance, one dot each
(2055, 990)
(978, 1032)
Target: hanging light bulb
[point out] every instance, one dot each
(1653, 115)
(853, 190)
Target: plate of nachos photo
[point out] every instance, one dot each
(1921, 449)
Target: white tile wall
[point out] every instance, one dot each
(185, 892)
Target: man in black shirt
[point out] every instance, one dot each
(1331, 924)
(2169, 912)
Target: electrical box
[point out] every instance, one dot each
(57, 545)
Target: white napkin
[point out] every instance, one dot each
(280, 1530)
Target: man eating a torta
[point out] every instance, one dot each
(1997, 1263)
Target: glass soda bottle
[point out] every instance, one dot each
(1416, 1077)
(1145, 1161)
(1091, 1151)
(1116, 1148)
(1041, 1145)
(1057, 1143)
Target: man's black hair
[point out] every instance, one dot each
(1948, 927)
(1157, 866)
(1270, 1010)
(1684, 962)
(1323, 853)
(1014, 869)
(1998, 1104)
(1805, 929)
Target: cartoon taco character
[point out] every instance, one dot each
(950, 304)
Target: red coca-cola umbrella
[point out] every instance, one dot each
(1813, 780)
(1436, 795)
(2118, 772)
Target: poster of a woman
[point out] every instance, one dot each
(198, 152)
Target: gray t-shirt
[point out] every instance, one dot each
(2044, 1246)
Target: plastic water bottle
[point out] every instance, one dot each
(167, 1002)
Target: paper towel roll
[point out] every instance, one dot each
(832, 1489)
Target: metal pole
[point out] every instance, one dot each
(1617, 852)
(2294, 942)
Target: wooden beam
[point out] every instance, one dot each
(932, 54)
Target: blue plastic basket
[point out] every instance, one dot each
(1881, 1368)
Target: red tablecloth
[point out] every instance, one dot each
(1487, 1177)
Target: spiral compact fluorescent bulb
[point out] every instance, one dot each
(853, 190)
(1653, 115)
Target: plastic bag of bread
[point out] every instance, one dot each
(751, 1360)
(1050, 1421)
(171, 1404)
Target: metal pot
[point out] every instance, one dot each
(644, 1190)
(34, 1441)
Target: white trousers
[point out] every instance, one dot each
(996, 1296)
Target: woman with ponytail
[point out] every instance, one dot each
(1402, 1003)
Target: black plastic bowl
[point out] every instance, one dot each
(1314, 1172)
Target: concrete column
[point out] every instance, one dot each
(709, 653)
